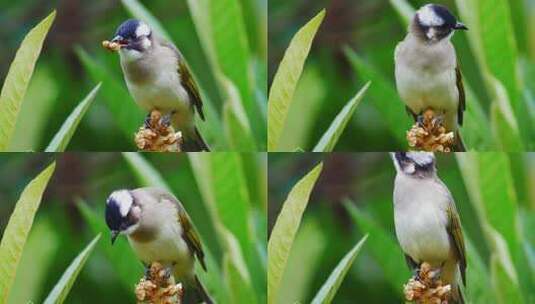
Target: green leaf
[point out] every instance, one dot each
(285, 80)
(237, 277)
(18, 77)
(237, 127)
(285, 229)
(384, 248)
(385, 97)
(18, 228)
(331, 136)
(330, 287)
(138, 11)
(65, 283)
(404, 9)
(232, 52)
(145, 173)
(503, 285)
(63, 136)
(237, 131)
(126, 114)
(504, 124)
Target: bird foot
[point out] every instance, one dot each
(426, 287)
(429, 133)
(157, 134)
(158, 286)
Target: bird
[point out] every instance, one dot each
(159, 229)
(427, 223)
(158, 77)
(427, 71)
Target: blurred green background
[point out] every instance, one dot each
(72, 213)
(353, 197)
(372, 29)
(61, 79)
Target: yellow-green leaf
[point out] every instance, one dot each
(64, 285)
(18, 228)
(285, 80)
(63, 136)
(330, 287)
(18, 78)
(331, 136)
(146, 174)
(285, 229)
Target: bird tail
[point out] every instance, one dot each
(193, 141)
(459, 146)
(201, 293)
(456, 295)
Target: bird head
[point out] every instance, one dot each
(134, 38)
(414, 163)
(122, 213)
(434, 22)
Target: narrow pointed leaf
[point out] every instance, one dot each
(330, 287)
(64, 285)
(331, 136)
(285, 80)
(285, 229)
(18, 228)
(18, 77)
(145, 173)
(404, 10)
(62, 138)
(384, 247)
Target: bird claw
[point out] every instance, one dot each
(165, 121)
(420, 120)
(147, 121)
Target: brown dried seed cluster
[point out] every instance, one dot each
(158, 137)
(427, 288)
(111, 46)
(158, 287)
(430, 136)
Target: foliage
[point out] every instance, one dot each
(493, 210)
(214, 58)
(499, 114)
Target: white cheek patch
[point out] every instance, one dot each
(428, 17)
(145, 43)
(124, 199)
(431, 33)
(409, 169)
(421, 158)
(142, 30)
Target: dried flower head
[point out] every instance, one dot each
(430, 135)
(111, 46)
(427, 288)
(158, 287)
(158, 136)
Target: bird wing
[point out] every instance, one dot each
(186, 79)
(462, 97)
(456, 233)
(189, 232)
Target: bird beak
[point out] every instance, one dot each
(119, 40)
(114, 235)
(460, 26)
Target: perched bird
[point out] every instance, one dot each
(159, 229)
(158, 77)
(427, 224)
(426, 68)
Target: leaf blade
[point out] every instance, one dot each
(285, 229)
(61, 289)
(63, 136)
(331, 136)
(18, 228)
(286, 78)
(330, 287)
(18, 78)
